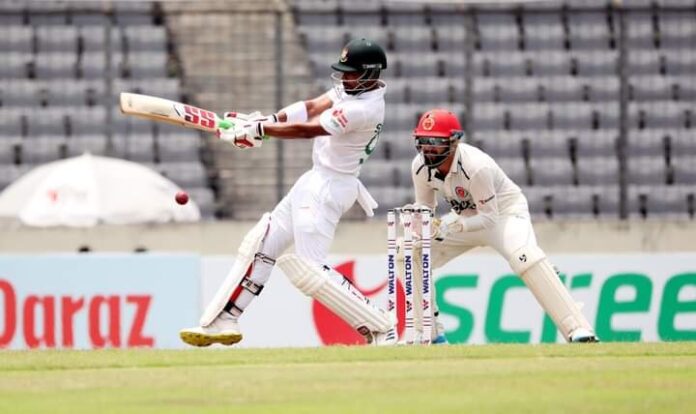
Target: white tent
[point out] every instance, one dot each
(88, 189)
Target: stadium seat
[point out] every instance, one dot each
(651, 201)
(562, 89)
(652, 88)
(14, 65)
(11, 123)
(572, 116)
(93, 39)
(543, 31)
(178, 147)
(42, 149)
(597, 170)
(595, 63)
(93, 144)
(588, 30)
(53, 121)
(7, 150)
(57, 39)
(135, 147)
(146, 38)
(573, 201)
(489, 116)
(515, 169)
(390, 197)
(184, 174)
(639, 28)
(602, 89)
(412, 39)
(548, 63)
(594, 143)
(146, 65)
(646, 170)
(450, 39)
(15, 38)
(497, 31)
(88, 120)
(679, 63)
(518, 90)
(684, 170)
(677, 29)
(380, 173)
(539, 201)
(548, 144)
(682, 142)
(500, 144)
(646, 143)
(551, 171)
(529, 117)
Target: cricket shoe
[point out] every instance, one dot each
(440, 340)
(382, 338)
(582, 335)
(224, 330)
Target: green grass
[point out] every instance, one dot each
(606, 378)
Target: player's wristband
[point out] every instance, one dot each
(295, 112)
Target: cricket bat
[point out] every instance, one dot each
(177, 113)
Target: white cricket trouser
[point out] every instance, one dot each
(308, 216)
(509, 233)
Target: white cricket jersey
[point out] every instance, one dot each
(475, 187)
(354, 124)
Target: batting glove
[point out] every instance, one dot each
(252, 117)
(247, 135)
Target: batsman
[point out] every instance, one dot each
(487, 209)
(345, 124)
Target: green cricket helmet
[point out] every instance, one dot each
(360, 56)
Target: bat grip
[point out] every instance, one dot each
(224, 124)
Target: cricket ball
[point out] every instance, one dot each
(181, 197)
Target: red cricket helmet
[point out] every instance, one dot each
(436, 135)
(437, 123)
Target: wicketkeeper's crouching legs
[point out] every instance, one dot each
(541, 278)
(514, 238)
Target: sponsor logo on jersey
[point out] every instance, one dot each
(461, 192)
(339, 117)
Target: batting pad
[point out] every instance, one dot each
(245, 257)
(552, 295)
(323, 284)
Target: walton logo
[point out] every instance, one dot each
(332, 330)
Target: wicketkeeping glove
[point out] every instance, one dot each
(448, 224)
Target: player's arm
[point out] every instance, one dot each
(305, 130)
(301, 111)
(300, 120)
(483, 192)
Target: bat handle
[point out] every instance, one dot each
(225, 124)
